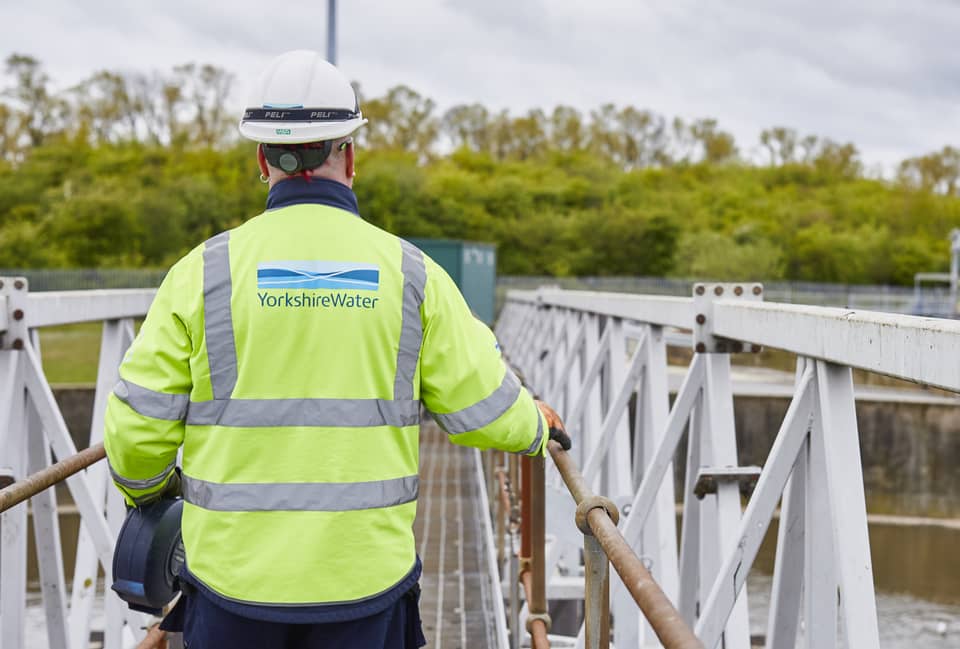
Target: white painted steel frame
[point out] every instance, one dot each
(69, 307)
(499, 612)
(591, 354)
(902, 346)
(31, 428)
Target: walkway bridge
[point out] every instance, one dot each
(508, 542)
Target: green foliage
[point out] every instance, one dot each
(134, 170)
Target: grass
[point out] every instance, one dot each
(71, 352)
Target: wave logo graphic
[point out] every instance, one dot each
(318, 274)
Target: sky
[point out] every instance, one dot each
(883, 75)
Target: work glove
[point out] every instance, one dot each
(558, 432)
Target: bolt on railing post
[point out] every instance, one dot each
(596, 594)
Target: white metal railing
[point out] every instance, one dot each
(593, 354)
(31, 427)
(930, 297)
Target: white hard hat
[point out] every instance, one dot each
(299, 98)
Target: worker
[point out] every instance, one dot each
(289, 359)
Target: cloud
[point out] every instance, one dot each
(883, 75)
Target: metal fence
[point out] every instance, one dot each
(601, 360)
(32, 430)
(87, 278)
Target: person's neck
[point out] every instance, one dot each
(339, 179)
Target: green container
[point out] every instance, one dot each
(472, 265)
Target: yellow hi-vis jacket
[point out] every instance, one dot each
(289, 357)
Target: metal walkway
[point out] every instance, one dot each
(456, 601)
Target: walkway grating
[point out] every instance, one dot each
(455, 604)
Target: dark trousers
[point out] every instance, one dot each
(207, 626)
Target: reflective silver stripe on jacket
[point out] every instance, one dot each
(411, 329)
(146, 483)
(223, 410)
(149, 403)
(347, 413)
(299, 496)
(218, 317)
(484, 412)
(539, 438)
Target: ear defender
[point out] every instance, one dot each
(292, 158)
(290, 162)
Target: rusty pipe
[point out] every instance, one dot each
(30, 486)
(536, 623)
(569, 472)
(538, 534)
(513, 466)
(525, 508)
(504, 494)
(533, 547)
(663, 617)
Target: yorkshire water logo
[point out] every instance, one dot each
(318, 274)
(339, 279)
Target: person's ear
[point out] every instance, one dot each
(262, 161)
(348, 156)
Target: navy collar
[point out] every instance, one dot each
(322, 191)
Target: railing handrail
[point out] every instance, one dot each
(22, 490)
(597, 516)
(72, 307)
(900, 346)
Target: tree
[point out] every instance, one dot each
(713, 255)
(41, 113)
(717, 146)
(528, 138)
(467, 125)
(9, 133)
(106, 107)
(566, 129)
(809, 145)
(684, 145)
(624, 241)
(135, 168)
(403, 119)
(643, 137)
(603, 136)
(838, 160)
(781, 143)
(938, 171)
(205, 89)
